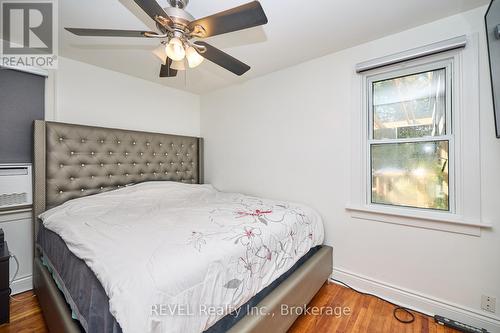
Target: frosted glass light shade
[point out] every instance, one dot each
(161, 54)
(175, 49)
(178, 65)
(193, 57)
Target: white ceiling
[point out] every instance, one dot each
(296, 32)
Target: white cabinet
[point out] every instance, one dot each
(18, 230)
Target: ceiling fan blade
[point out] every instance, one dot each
(239, 18)
(109, 33)
(153, 9)
(223, 59)
(166, 71)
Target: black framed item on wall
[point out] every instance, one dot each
(492, 20)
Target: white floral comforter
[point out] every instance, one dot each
(175, 257)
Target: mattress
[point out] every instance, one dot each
(177, 257)
(88, 300)
(81, 288)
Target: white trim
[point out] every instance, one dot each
(418, 301)
(465, 177)
(50, 96)
(412, 140)
(22, 284)
(425, 219)
(15, 214)
(30, 70)
(419, 214)
(419, 52)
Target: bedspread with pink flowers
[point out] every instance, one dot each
(198, 253)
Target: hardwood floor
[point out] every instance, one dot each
(367, 314)
(25, 315)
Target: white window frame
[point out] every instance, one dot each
(424, 65)
(462, 132)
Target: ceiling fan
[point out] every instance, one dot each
(177, 29)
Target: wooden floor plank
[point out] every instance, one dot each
(25, 315)
(367, 315)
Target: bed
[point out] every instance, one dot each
(85, 182)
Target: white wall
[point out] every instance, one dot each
(90, 95)
(288, 135)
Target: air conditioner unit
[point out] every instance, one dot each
(15, 186)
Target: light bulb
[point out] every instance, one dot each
(175, 49)
(178, 65)
(193, 57)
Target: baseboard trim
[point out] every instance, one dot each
(417, 301)
(22, 284)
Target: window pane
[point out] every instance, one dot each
(411, 174)
(410, 106)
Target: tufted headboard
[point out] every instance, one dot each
(72, 161)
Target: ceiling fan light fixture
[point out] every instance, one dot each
(193, 57)
(175, 49)
(176, 28)
(178, 65)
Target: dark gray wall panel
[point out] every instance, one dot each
(22, 100)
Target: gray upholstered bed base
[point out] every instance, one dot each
(74, 161)
(297, 290)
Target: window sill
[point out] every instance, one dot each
(418, 218)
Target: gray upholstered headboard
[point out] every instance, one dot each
(72, 161)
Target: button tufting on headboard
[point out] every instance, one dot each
(84, 160)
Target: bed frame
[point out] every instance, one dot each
(72, 161)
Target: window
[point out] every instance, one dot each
(410, 140)
(415, 138)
